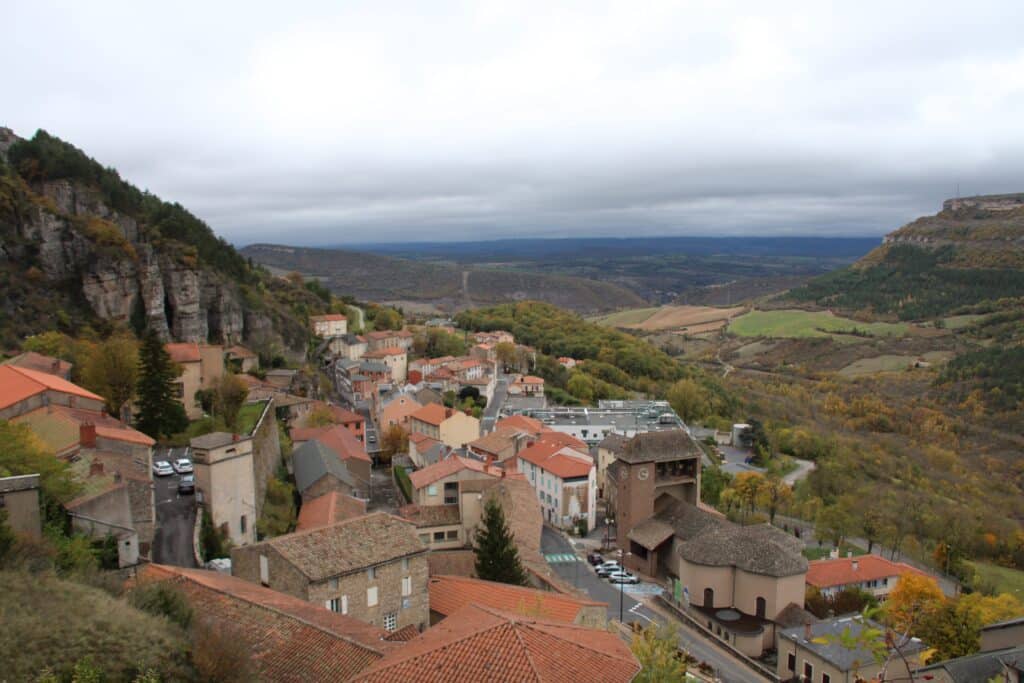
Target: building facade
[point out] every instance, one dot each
(226, 482)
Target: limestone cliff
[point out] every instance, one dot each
(63, 235)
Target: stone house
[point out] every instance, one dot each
(870, 573)
(241, 360)
(813, 652)
(41, 363)
(345, 445)
(19, 498)
(451, 427)
(23, 390)
(526, 385)
(330, 325)
(202, 366)
(318, 470)
(372, 568)
(226, 482)
(565, 480)
(394, 358)
(501, 445)
(348, 346)
(495, 337)
(384, 339)
(424, 451)
(455, 483)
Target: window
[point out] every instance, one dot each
(371, 596)
(264, 570)
(371, 573)
(453, 535)
(333, 583)
(432, 490)
(825, 678)
(709, 597)
(405, 564)
(425, 538)
(438, 536)
(242, 523)
(334, 605)
(791, 661)
(344, 604)
(808, 671)
(390, 621)
(406, 586)
(761, 607)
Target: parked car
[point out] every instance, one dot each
(606, 568)
(187, 484)
(622, 577)
(162, 468)
(182, 465)
(372, 438)
(595, 559)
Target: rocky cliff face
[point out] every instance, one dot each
(77, 240)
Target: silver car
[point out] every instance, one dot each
(182, 465)
(162, 468)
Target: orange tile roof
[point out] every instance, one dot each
(449, 466)
(551, 436)
(289, 639)
(529, 379)
(336, 437)
(330, 317)
(18, 384)
(840, 572)
(449, 594)
(327, 509)
(483, 644)
(561, 461)
(339, 414)
(527, 424)
(432, 414)
(183, 353)
(382, 353)
(419, 438)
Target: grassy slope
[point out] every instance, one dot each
(805, 324)
(1004, 579)
(632, 316)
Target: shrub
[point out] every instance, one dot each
(163, 600)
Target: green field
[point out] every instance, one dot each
(957, 322)
(791, 323)
(1004, 579)
(247, 416)
(630, 316)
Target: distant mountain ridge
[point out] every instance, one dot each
(970, 253)
(375, 277)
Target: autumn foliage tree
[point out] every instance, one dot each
(111, 369)
(657, 649)
(914, 597)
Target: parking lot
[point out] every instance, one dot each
(175, 515)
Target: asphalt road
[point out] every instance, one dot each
(490, 415)
(581, 575)
(175, 517)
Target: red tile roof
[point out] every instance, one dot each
(527, 424)
(330, 317)
(18, 384)
(338, 414)
(449, 466)
(483, 644)
(336, 437)
(563, 439)
(449, 594)
(183, 353)
(327, 509)
(840, 571)
(289, 639)
(432, 413)
(383, 353)
(562, 461)
(529, 379)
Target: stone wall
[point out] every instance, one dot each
(266, 453)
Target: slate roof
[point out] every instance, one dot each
(347, 546)
(659, 446)
(651, 533)
(711, 540)
(338, 438)
(834, 652)
(448, 594)
(483, 644)
(983, 666)
(613, 442)
(289, 639)
(313, 460)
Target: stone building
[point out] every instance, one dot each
(451, 427)
(330, 325)
(319, 470)
(202, 366)
(372, 568)
(226, 482)
(19, 498)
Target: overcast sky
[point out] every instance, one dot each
(346, 122)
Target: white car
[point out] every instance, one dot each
(162, 468)
(182, 465)
(606, 568)
(622, 577)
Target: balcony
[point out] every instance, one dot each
(681, 471)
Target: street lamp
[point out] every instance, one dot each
(622, 584)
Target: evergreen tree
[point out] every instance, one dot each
(160, 413)
(496, 556)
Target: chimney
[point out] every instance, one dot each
(856, 565)
(807, 630)
(488, 459)
(234, 437)
(87, 435)
(96, 468)
(849, 553)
